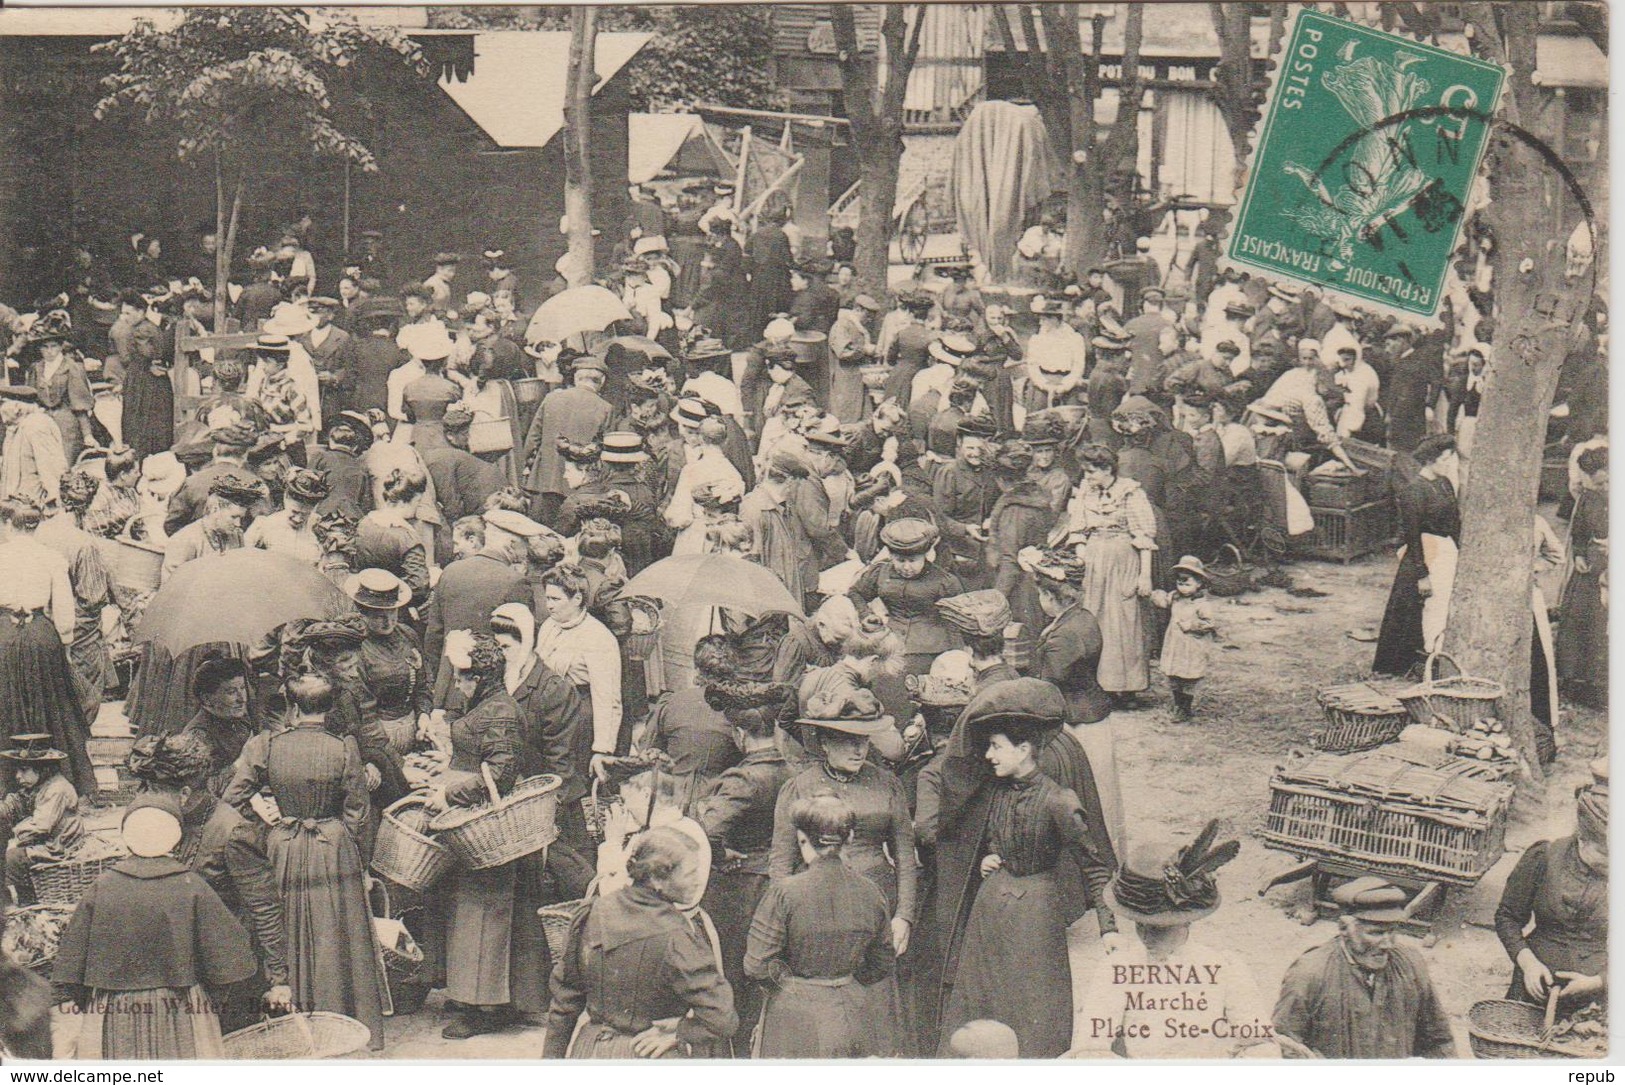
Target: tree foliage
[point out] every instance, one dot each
(241, 81)
(720, 53)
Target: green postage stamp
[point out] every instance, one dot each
(1364, 163)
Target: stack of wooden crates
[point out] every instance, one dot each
(1354, 514)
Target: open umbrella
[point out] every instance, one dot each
(638, 350)
(236, 597)
(574, 311)
(714, 580)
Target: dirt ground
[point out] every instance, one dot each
(1255, 711)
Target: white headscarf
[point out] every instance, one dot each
(519, 658)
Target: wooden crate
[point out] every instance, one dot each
(1346, 534)
(1389, 815)
(1342, 491)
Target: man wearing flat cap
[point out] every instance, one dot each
(471, 588)
(1363, 995)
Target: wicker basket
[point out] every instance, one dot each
(556, 920)
(403, 960)
(594, 812)
(1358, 717)
(1503, 1029)
(403, 853)
(316, 1035)
(1392, 815)
(65, 882)
(132, 565)
(646, 621)
(510, 827)
(1230, 575)
(529, 389)
(1458, 701)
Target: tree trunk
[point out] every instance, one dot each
(1120, 162)
(1490, 623)
(582, 74)
(875, 113)
(221, 298)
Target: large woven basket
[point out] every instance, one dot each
(404, 853)
(132, 565)
(1503, 1029)
(509, 827)
(66, 881)
(315, 1035)
(1459, 702)
(402, 957)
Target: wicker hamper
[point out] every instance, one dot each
(314, 1035)
(1500, 1028)
(1346, 534)
(1391, 812)
(65, 882)
(1358, 717)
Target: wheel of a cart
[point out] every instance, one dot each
(911, 232)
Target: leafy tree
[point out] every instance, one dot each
(707, 53)
(231, 86)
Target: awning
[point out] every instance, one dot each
(517, 91)
(1563, 60)
(654, 139)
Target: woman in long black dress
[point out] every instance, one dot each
(1427, 506)
(1582, 631)
(1562, 885)
(321, 795)
(480, 914)
(1013, 967)
(737, 816)
(149, 394)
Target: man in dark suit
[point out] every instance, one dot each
(768, 259)
(331, 351)
(817, 304)
(471, 588)
(578, 414)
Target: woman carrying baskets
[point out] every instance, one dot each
(321, 793)
(481, 964)
(1562, 885)
(144, 947)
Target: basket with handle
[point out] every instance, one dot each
(1230, 575)
(1458, 702)
(1500, 1028)
(646, 621)
(403, 960)
(592, 810)
(404, 853)
(315, 1035)
(509, 827)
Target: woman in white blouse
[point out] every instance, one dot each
(36, 624)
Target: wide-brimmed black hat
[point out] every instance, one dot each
(303, 484)
(849, 711)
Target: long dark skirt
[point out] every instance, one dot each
(479, 936)
(38, 695)
(1014, 965)
(1399, 643)
(149, 412)
(1582, 642)
(331, 956)
(820, 1019)
(731, 897)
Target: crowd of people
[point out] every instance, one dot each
(862, 832)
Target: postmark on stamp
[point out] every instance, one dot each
(1364, 163)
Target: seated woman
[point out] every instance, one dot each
(1562, 885)
(637, 979)
(41, 812)
(819, 938)
(149, 997)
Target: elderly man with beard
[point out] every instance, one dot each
(1362, 995)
